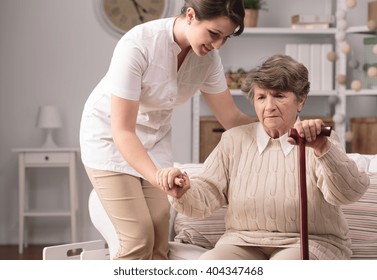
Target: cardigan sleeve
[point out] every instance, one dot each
(209, 189)
(339, 178)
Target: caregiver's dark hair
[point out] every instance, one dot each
(210, 9)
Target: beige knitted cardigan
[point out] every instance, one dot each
(262, 194)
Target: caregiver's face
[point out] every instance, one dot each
(207, 35)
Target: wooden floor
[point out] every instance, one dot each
(10, 252)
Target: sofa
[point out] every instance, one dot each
(190, 237)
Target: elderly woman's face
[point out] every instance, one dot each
(277, 111)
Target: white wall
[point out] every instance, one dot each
(51, 52)
(54, 52)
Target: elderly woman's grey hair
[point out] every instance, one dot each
(280, 73)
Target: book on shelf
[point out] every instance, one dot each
(310, 26)
(327, 72)
(291, 50)
(310, 22)
(314, 57)
(315, 67)
(303, 54)
(312, 19)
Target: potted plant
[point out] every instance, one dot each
(252, 8)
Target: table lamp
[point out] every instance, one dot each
(48, 119)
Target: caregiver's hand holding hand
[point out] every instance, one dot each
(173, 181)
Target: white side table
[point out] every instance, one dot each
(45, 158)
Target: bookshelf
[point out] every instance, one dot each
(331, 34)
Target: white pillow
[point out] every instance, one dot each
(362, 215)
(362, 161)
(373, 165)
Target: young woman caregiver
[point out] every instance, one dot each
(125, 133)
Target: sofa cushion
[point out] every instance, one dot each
(201, 232)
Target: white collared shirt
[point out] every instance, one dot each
(263, 138)
(144, 68)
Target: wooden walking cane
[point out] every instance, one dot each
(304, 236)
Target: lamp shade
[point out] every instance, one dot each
(48, 117)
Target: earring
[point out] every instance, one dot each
(188, 22)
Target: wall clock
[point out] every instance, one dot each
(122, 15)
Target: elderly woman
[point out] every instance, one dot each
(253, 171)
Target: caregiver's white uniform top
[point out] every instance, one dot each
(144, 68)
